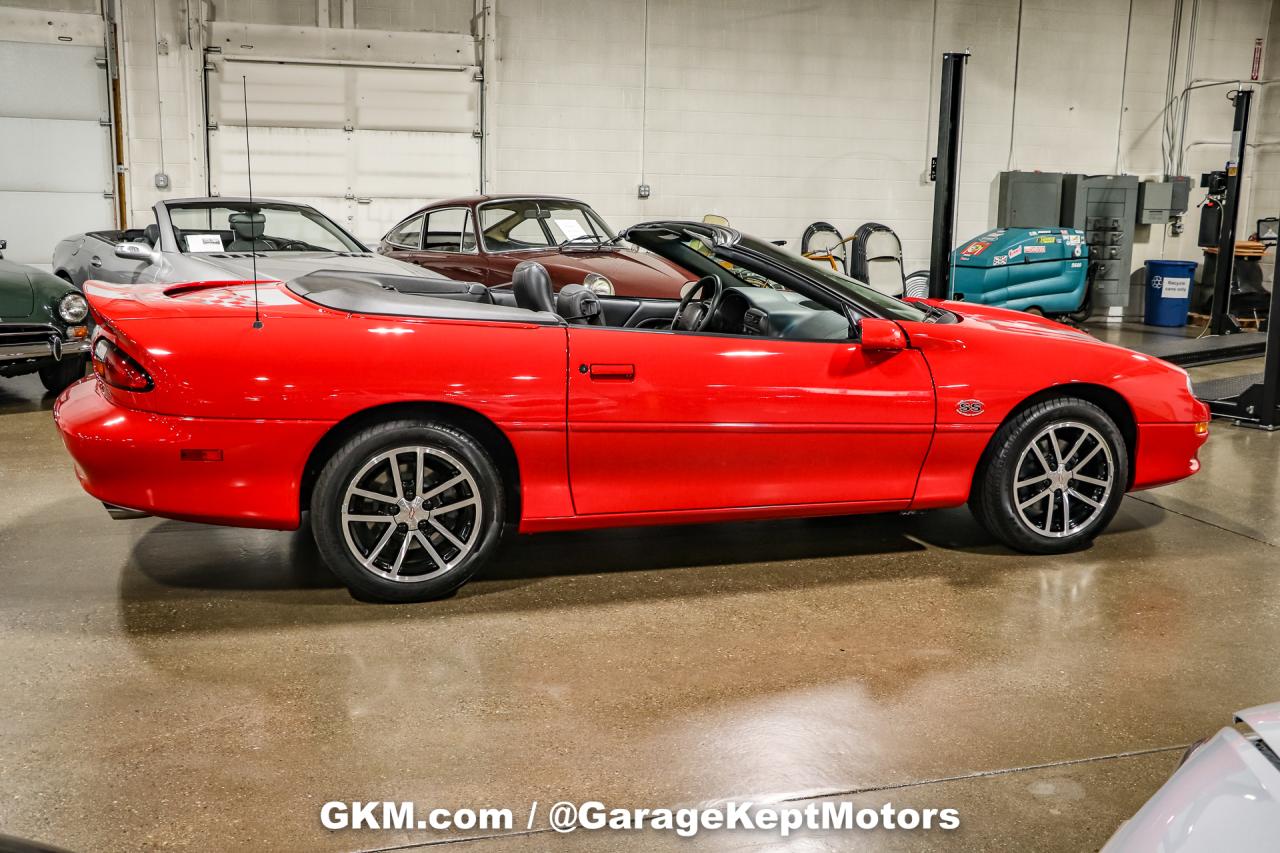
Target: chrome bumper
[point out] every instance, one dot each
(43, 349)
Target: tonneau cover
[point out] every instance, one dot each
(409, 296)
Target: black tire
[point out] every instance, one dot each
(57, 376)
(364, 461)
(1010, 459)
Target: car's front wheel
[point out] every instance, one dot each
(57, 376)
(1053, 477)
(408, 510)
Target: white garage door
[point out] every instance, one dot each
(56, 165)
(365, 145)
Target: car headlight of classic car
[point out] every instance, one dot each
(598, 283)
(73, 308)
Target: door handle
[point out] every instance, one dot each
(95, 261)
(623, 372)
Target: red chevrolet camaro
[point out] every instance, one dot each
(418, 419)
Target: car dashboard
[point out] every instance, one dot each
(764, 312)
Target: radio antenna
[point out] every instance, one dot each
(248, 162)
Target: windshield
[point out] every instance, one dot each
(244, 227)
(520, 224)
(885, 306)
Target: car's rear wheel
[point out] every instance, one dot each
(1053, 477)
(57, 376)
(408, 510)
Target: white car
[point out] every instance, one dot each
(1225, 796)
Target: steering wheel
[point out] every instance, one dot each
(295, 246)
(698, 305)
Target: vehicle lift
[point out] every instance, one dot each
(945, 172)
(1254, 399)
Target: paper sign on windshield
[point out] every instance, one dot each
(204, 243)
(570, 228)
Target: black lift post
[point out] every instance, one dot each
(1253, 400)
(946, 173)
(1220, 321)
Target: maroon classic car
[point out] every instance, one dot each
(483, 238)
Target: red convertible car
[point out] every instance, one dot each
(418, 419)
(484, 238)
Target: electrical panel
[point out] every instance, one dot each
(1029, 199)
(1105, 207)
(1160, 201)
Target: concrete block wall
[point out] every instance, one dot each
(775, 114)
(1266, 162)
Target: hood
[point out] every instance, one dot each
(17, 296)
(1225, 796)
(237, 266)
(1018, 322)
(632, 272)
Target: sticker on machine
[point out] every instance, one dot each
(1175, 288)
(1015, 251)
(1049, 239)
(974, 249)
(999, 260)
(1037, 249)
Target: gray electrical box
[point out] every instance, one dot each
(1160, 201)
(1105, 207)
(1029, 199)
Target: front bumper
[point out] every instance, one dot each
(1168, 452)
(41, 350)
(133, 459)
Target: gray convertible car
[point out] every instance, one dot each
(216, 239)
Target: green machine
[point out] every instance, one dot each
(1043, 270)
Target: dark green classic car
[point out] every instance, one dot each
(43, 326)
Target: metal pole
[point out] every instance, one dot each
(1269, 417)
(946, 173)
(1219, 322)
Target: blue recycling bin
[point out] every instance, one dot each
(1168, 292)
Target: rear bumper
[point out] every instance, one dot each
(133, 460)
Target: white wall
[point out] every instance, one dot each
(1266, 163)
(776, 113)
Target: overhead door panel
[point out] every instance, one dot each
(366, 145)
(56, 170)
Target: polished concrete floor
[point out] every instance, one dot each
(173, 686)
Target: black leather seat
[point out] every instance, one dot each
(531, 285)
(579, 305)
(249, 228)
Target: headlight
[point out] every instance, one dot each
(601, 285)
(73, 308)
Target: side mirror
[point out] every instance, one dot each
(879, 335)
(136, 252)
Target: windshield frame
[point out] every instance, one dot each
(587, 210)
(306, 211)
(866, 298)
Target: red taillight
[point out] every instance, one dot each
(116, 369)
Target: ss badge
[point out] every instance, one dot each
(969, 407)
